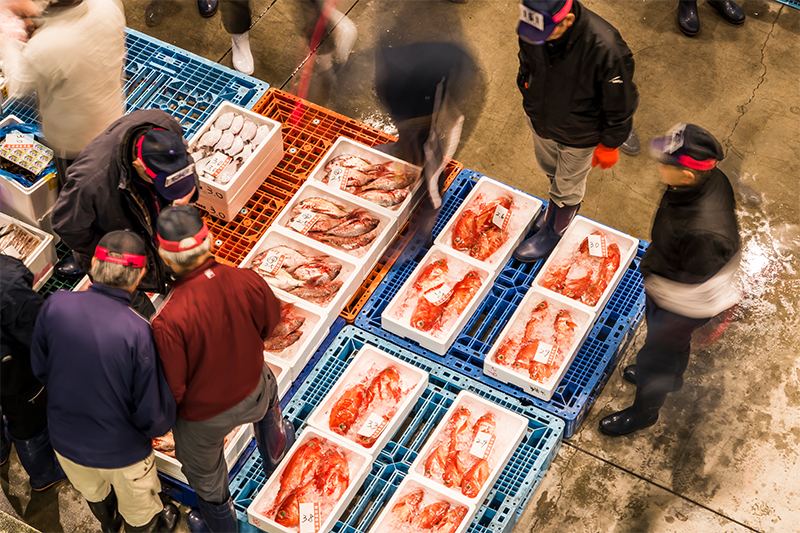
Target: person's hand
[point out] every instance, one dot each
(21, 8)
(605, 157)
(185, 199)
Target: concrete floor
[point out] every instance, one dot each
(724, 455)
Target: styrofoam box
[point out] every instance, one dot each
(396, 317)
(343, 146)
(367, 364)
(281, 371)
(83, 284)
(314, 331)
(360, 464)
(516, 326)
(509, 430)
(233, 449)
(523, 212)
(385, 522)
(229, 198)
(27, 204)
(43, 259)
(366, 256)
(576, 232)
(350, 274)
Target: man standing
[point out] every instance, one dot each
(122, 180)
(576, 79)
(107, 396)
(688, 269)
(210, 336)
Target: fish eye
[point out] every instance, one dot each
(282, 514)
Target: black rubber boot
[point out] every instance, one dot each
(163, 522)
(730, 11)
(274, 437)
(541, 218)
(642, 414)
(39, 460)
(213, 518)
(688, 21)
(543, 242)
(207, 8)
(69, 268)
(629, 374)
(107, 514)
(5, 441)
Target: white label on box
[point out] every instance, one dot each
(597, 245)
(272, 262)
(482, 445)
(303, 222)
(309, 517)
(339, 177)
(373, 426)
(544, 353)
(16, 140)
(500, 217)
(439, 294)
(217, 164)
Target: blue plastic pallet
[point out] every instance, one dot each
(158, 75)
(587, 374)
(504, 503)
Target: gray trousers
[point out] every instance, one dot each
(235, 16)
(199, 446)
(565, 166)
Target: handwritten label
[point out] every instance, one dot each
(500, 217)
(373, 426)
(597, 245)
(529, 16)
(16, 140)
(303, 222)
(439, 294)
(545, 353)
(217, 164)
(309, 517)
(339, 177)
(272, 262)
(482, 445)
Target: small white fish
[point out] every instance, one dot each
(199, 166)
(224, 121)
(261, 134)
(236, 147)
(227, 173)
(246, 152)
(236, 124)
(197, 156)
(209, 138)
(225, 142)
(248, 130)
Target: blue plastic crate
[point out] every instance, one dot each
(590, 369)
(791, 3)
(158, 75)
(506, 500)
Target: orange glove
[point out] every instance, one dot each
(605, 157)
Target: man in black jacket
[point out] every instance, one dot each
(576, 79)
(688, 269)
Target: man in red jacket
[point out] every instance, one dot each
(210, 338)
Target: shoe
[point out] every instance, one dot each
(39, 460)
(543, 242)
(626, 421)
(69, 268)
(631, 145)
(212, 518)
(539, 223)
(274, 437)
(106, 513)
(163, 522)
(207, 8)
(688, 21)
(728, 10)
(242, 57)
(629, 374)
(344, 36)
(154, 13)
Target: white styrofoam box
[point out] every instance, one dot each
(515, 329)
(345, 146)
(282, 372)
(509, 430)
(569, 243)
(366, 256)
(233, 449)
(313, 331)
(252, 173)
(83, 284)
(520, 217)
(387, 523)
(43, 259)
(366, 365)
(360, 464)
(27, 204)
(350, 274)
(396, 317)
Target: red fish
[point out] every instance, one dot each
(489, 241)
(465, 232)
(484, 218)
(384, 198)
(320, 294)
(463, 292)
(408, 506)
(386, 385)
(535, 320)
(348, 161)
(317, 272)
(301, 467)
(431, 276)
(451, 521)
(355, 226)
(288, 512)
(430, 515)
(565, 328)
(507, 352)
(347, 408)
(458, 464)
(333, 474)
(575, 287)
(607, 270)
(288, 323)
(426, 314)
(321, 206)
(459, 429)
(555, 277)
(526, 353)
(347, 243)
(278, 344)
(475, 478)
(436, 462)
(486, 424)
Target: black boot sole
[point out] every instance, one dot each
(616, 434)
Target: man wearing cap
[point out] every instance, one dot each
(688, 269)
(107, 396)
(210, 336)
(576, 79)
(122, 180)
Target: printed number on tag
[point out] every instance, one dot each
(217, 164)
(545, 353)
(304, 222)
(339, 177)
(439, 294)
(309, 517)
(529, 16)
(501, 217)
(373, 426)
(482, 445)
(597, 246)
(15, 140)
(272, 262)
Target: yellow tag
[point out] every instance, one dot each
(52, 180)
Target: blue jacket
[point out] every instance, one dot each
(106, 393)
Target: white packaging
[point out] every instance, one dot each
(509, 430)
(396, 317)
(367, 364)
(515, 329)
(83, 284)
(43, 259)
(313, 331)
(282, 372)
(360, 464)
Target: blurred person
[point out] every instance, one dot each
(107, 397)
(237, 21)
(689, 21)
(210, 336)
(576, 80)
(23, 400)
(122, 180)
(73, 62)
(688, 269)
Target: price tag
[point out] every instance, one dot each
(373, 426)
(309, 517)
(16, 140)
(303, 222)
(339, 177)
(439, 294)
(217, 164)
(545, 353)
(482, 445)
(272, 262)
(500, 217)
(597, 245)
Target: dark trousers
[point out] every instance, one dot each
(663, 359)
(25, 414)
(235, 15)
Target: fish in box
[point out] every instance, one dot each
(334, 224)
(310, 277)
(385, 184)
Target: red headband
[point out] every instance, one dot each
(558, 17)
(139, 155)
(174, 246)
(688, 162)
(129, 260)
